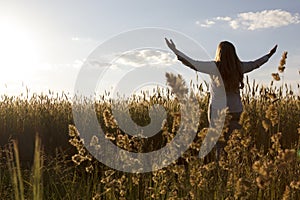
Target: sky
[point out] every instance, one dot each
(44, 44)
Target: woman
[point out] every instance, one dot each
(231, 69)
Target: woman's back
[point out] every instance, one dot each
(226, 73)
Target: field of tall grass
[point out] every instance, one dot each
(43, 157)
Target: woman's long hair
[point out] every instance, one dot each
(229, 66)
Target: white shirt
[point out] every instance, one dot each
(218, 98)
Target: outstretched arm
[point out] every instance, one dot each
(208, 67)
(249, 66)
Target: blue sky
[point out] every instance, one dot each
(45, 43)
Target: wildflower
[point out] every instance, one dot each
(82, 151)
(89, 169)
(73, 132)
(262, 182)
(256, 165)
(110, 136)
(271, 96)
(109, 119)
(135, 180)
(109, 172)
(77, 159)
(163, 191)
(286, 194)
(97, 197)
(276, 76)
(265, 125)
(242, 188)
(281, 69)
(288, 155)
(177, 84)
(276, 137)
(122, 193)
(282, 62)
(74, 142)
(295, 185)
(272, 114)
(276, 143)
(88, 157)
(246, 142)
(95, 143)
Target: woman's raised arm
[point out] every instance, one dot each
(251, 65)
(208, 67)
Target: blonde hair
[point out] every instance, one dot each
(229, 66)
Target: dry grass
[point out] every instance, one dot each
(262, 159)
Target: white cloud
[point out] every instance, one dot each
(256, 20)
(223, 18)
(264, 19)
(206, 24)
(138, 58)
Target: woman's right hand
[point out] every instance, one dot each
(171, 45)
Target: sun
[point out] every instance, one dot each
(18, 53)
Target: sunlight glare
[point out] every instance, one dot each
(18, 54)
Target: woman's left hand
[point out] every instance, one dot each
(171, 45)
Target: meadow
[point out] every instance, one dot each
(43, 157)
